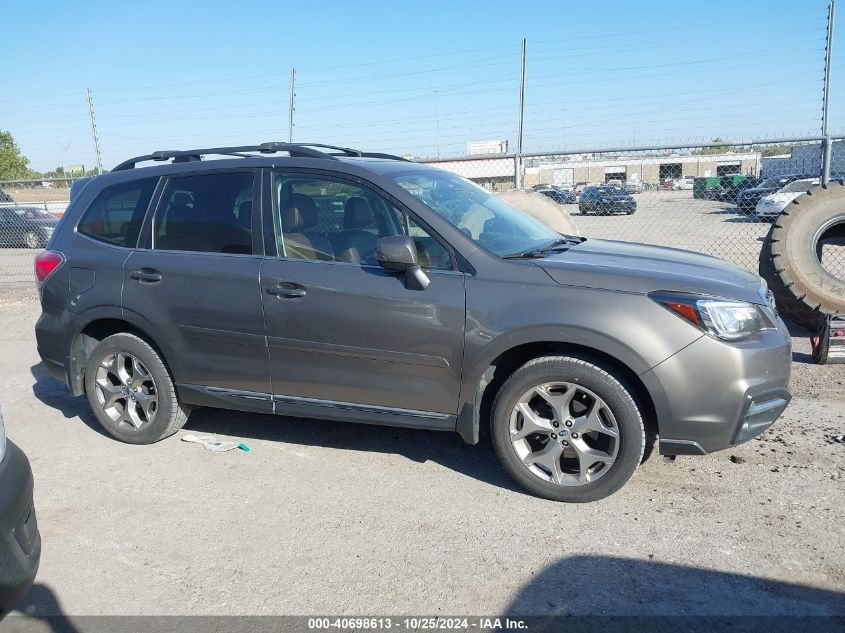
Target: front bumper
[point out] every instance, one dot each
(767, 210)
(20, 542)
(712, 395)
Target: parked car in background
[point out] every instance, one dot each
(770, 206)
(20, 542)
(5, 197)
(26, 226)
(748, 198)
(729, 190)
(606, 200)
(633, 186)
(557, 194)
(579, 188)
(255, 281)
(683, 184)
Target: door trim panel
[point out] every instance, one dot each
(221, 398)
(363, 413)
(335, 349)
(221, 336)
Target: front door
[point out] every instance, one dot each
(343, 331)
(196, 285)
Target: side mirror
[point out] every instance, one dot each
(398, 253)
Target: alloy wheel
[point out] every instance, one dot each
(564, 434)
(126, 391)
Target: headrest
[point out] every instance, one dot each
(181, 199)
(357, 213)
(245, 210)
(300, 212)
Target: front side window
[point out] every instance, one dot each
(480, 215)
(116, 214)
(331, 219)
(209, 213)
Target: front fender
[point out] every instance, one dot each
(630, 328)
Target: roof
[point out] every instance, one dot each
(263, 150)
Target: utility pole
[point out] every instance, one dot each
(828, 145)
(437, 123)
(94, 130)
(518, 165)
(292, 103)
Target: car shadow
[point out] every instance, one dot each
(40, 605)
(748, 218)
(420, 446)
(54, 394)
(606, 593)
(447, 449)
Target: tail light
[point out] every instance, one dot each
(46, 263)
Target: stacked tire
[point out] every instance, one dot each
(791, 257)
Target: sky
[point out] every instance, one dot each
(418, 77)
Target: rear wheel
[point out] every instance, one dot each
(32, 240)
(131, 392)
(567, 430)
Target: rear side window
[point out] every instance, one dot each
(210, 213)
(116, 215)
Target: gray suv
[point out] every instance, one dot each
(323, 282)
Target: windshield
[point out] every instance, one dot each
(774, 182)
(799, 185)
(32, 213)
(480, 215)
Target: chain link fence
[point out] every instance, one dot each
(714, 199)
(29, 210)
(718, 199)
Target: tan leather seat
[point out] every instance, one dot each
(299, 214)
(355, 244)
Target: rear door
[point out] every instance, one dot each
(343, 331)
(195, 283)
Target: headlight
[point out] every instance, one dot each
(723, 318)
(2, 437)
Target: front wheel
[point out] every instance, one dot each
(567, 430)
(131, 392)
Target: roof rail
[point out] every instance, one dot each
(303, 150)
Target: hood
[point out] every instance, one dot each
(627, 267)
(782, 197)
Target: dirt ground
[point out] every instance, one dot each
(324, 517)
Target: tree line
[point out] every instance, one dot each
(15, 166)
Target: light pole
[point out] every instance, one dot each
(437, 123)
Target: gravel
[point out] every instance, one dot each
(323, 517)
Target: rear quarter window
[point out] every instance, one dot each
(116, 214)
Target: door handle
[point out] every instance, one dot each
(146, 275)
(287, 290)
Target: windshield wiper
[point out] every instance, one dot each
(559, 244)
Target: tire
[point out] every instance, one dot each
(585, 377)
(804, 290)
(31, 239)
(167, 416)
